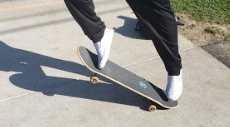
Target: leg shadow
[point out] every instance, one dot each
(128, 29)
(29, 75)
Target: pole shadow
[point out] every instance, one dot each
(29, 75)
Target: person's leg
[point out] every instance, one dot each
(83, 12)
(159, 22)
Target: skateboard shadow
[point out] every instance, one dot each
(27, 73)
(128, 29)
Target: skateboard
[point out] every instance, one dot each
(127, 79)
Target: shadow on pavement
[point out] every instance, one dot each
(128, 29)
(29, 75)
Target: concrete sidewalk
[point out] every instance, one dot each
(44, 84)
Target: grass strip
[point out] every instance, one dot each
(214, 11)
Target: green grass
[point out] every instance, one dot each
(214, 11)
(227, 38)
(218, 32)
(215, 31)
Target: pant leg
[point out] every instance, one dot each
(83, 12)
(159, 22)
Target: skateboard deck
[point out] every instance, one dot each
(126, 79)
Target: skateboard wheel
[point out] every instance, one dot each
(152, 108)
(94, 79)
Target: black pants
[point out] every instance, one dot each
(156, 17)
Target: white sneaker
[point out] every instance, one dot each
(103, 47)
(174, 87)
